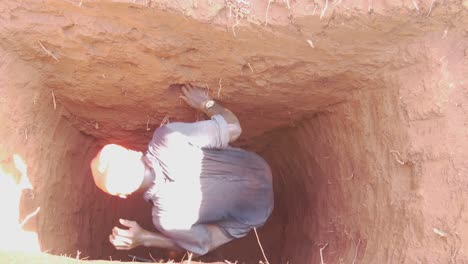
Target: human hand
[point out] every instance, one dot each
(126, 239)
(194, 96)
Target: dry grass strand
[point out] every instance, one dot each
(29, 216)
(53, 100)
(357, 250)
(397, 156)
(267, 11)
(189, 259)
(47, 51)
(235, 25)
(151, 256)
(416, 5)
(250, 66)
(260, 245)
(439, 232)
(445, 33)
(321, 253)
(430, 8)
(324, 9)
(220, 87)
(315, 9)
(164, 121)
(336, 3)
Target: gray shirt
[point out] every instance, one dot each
(201, 180)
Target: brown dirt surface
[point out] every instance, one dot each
(41, 258)
(360, 108)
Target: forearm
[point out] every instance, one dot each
(235, 129)
(150, 239)
(198, 98)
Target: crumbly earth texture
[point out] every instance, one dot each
(360, 108)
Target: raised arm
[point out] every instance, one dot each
(198, 98)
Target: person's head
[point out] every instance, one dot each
(117, 170)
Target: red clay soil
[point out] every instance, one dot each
(41, 258)
(360, 107)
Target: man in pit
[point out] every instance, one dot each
(204, 193)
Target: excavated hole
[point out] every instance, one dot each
(293, 231)
(364, 129)
(291, 194)
(76, 216)
(324, 169)
(324, 165)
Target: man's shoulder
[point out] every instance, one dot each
(166, 135)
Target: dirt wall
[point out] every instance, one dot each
(118, 59)
(348, 191)
(74, 215)
(360, 109)
(382, 177)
